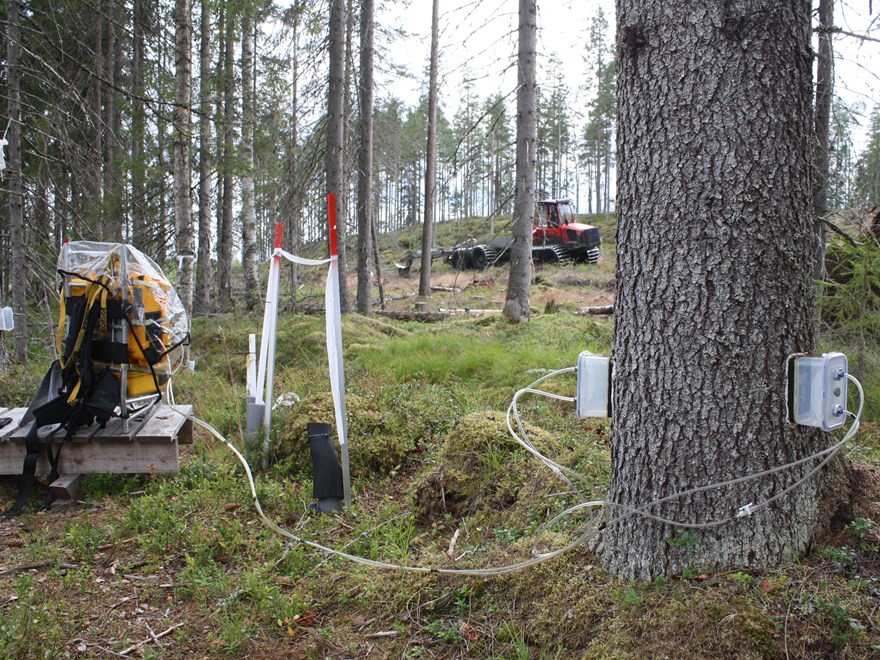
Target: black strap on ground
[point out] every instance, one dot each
(26, 482)
(54, 457)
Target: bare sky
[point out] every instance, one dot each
(478, 41)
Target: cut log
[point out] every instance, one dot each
(596, 311)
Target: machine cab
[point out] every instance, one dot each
(551, 215)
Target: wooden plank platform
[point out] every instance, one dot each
(149, 445)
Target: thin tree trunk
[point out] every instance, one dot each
(109, 221)
(203, 264)
(293, 228)
(182, 137)
(248, 210)
(224, 241)
(335, 134)
(94, 203)
(15, 195)
(713, 284)
(431, 158)
(517, 306)
(365, 163)
(824, 93)
(378, 264)
(138, 131)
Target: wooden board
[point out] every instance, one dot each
(149, 445)
(16, 414)
(129, 457)
(163, 425)
(66, 486)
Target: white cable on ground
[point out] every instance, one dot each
(590, 532)
(498, 570)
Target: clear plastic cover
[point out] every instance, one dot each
(132, 276)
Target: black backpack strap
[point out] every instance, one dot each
(26, 482)
(54, 457)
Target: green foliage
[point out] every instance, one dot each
(32, 624)
(852, 294)
(850, 306)
(444, 631)
(844, 625)
(867, 184)
(687, 539)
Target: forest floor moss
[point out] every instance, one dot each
(179, 566)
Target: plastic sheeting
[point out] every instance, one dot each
(127, 268)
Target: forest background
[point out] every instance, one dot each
(97, 136)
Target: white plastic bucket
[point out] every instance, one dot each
(6, 320)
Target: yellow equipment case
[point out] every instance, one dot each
(120, 332)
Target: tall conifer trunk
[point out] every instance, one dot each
(715, 245)
(182, 138)
(517, 306)
(431, 157)
(15, 195)
(365, 163)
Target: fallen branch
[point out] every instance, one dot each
(34, 567)
(384, 633)
(151, 638)
(424, 317)
(837, 230)
(596, 311)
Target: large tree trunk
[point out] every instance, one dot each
(824, 92)
(15, 194)
(517, 306)
(431, 157)
(715, 245)
(335, 134)
(248, 210)
(365, 163)
(182, 138)
(202, 297)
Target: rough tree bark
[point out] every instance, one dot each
(715, 247)
(182, 137)
(335, 133)
(517, 306)
(365, 163)
(430, 158)
(248, 209)
(15, 195)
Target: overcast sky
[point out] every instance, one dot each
(478, 40)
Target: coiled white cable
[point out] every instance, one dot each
(587, 534)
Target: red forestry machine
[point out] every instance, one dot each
(557, 238)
